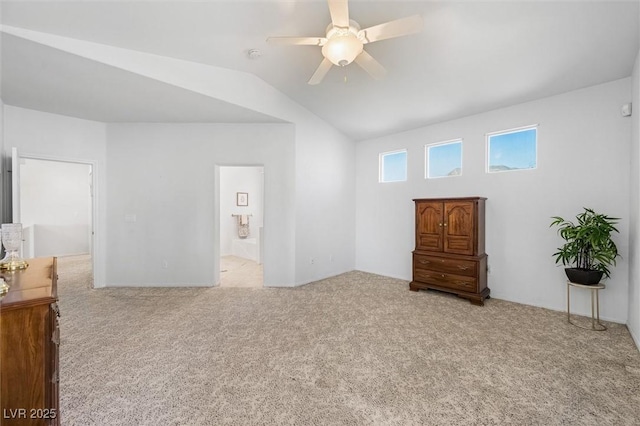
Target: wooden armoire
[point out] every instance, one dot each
(449, 254)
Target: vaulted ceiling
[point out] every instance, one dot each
(471, 57)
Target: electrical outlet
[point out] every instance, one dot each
(312, 261)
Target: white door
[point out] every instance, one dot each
(15, 185)
(15, 188)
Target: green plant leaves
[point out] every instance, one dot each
(588, 241)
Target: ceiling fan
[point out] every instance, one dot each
(344, 40)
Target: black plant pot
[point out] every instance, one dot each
(583, 276)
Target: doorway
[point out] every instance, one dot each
(241, 226)
(56, 208)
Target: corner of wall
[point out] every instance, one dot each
(633, 318)
(325, 202)
(634, 337)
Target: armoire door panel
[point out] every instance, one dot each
(458, 245)
(458, 227)
(429, 226)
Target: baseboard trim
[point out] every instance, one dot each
(634, 337)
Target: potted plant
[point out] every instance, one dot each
(589, 247)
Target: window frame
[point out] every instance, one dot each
(488, 137)
(447, 142)
(381, 165)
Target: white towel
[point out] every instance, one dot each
(244, 219)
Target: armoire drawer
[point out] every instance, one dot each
(441, 264)
(457, 282)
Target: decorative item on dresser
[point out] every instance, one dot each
(11, 240)
(29, 339)
(449, 254)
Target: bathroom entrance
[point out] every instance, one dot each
(241, 226)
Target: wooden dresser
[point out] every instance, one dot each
(29, 339)
(449, 254)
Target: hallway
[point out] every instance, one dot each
(238, 272)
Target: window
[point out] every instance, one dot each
(444, 159)
(393, 166)
(512, 149)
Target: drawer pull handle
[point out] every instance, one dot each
(463, 268)
(464, 284)
(440, 225)
(445, 224)
(424, 262)
(442, 275)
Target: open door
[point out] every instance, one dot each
(38, 182)
(15, 190)
(15, 185)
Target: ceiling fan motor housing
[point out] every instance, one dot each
(343, 45)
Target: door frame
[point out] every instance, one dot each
(96, 239)
(217, 217)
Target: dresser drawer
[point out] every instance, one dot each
(441, 264)
(457, 282)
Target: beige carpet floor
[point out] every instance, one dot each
(356, 349)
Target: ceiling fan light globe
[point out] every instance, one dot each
(341, 50)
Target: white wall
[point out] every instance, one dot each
(232, 181)
(325, 202)
(633, 321)
(51, 136)
(55, 207)
(311, 193)
(583, 151)
(324, 181)
(167, 176)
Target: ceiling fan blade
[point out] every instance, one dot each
(339, 10)
(322, 70)
(399, 27)
(370, 65)
(298, 41)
